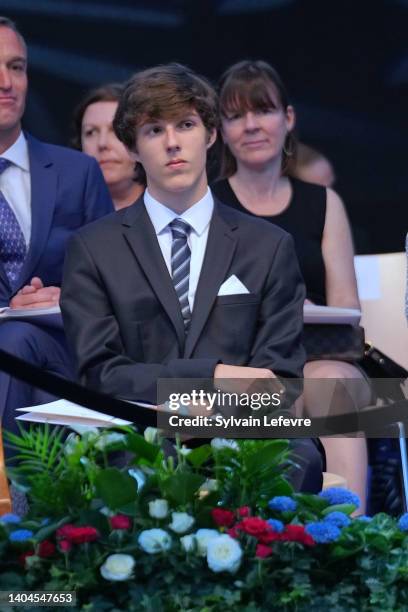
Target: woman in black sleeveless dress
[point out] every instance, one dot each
(257, 123)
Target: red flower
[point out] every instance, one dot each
(297, 533)
(22, 558)
(77, 535)
(263, 551)
(46, 549)
(120, 521)
(244, 511)
(233, 532)
(65, 545)
(269, 536)
(223, 517)
(254, 526)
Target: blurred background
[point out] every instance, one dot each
(345, 65)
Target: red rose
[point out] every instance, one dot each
(77, 535)
(233, 532)
(222, 517)
(269, 536)
(263, 551)
(254, 526)
(22, 558)
(244, 511)
(46, 549)
(65, 546)
(296, 533)
(120, 521)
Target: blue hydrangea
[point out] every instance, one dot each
(338, 495)
(338, 518)
(364, 518)
(282, 503)
(10, 519)
(276, 525)
(323, 532)
(20, 535)
(403, 522)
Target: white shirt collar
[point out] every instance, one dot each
(18, 153)
(198, 216)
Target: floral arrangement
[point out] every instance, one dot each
(213, 528)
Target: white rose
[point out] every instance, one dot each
(139, 476)
(106, 440)
(118, 567)
(154, 540)
(220, 443)
(158, 508)
(224, 554)
(181, 522)
(203, 537)
(151, 434)
(188, 543)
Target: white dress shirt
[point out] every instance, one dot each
(198, 217)
(16, 186)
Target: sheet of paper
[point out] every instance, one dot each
(50, 317)
(330, 315)
(63, 412)
(367, 269)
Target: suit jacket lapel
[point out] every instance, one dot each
(140, 234)
(220, 249)
(43, 198)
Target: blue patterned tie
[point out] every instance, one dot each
(180, 266)
(12, 244)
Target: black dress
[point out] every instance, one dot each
(304, 218)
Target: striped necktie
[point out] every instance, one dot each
(180, 266)
(12, 244)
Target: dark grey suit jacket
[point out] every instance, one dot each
(123, 318)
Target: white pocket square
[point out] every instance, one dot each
(232, 286)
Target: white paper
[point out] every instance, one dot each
(50, 317)
(63, 412)
(367, 269)
(330, 315)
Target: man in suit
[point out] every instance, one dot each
(46, 193)
(177, 285)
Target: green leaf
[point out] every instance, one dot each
(182, 487)
(142, 448)
(115, 488)
(346, 508)
(199, 455)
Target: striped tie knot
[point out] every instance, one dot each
(180, 229)
(4, 163)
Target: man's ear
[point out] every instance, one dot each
(212, 137)
(290, 118)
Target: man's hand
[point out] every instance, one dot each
(238, 379)
(35, 295)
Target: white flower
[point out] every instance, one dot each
(139, 476)
(209, 485)
(181, 522)
(71, 444)
(224, 554)
(188, 543)
(151, 434)
(117, 567)
(158, 508)
(220, 443)
(107, 439)
(154, 540)
(185, 451)
(203, 537)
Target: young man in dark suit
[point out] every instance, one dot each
(46, 193)
(177, 285)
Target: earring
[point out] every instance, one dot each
(290, 152)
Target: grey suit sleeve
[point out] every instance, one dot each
(277, 345)
(94, 334)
